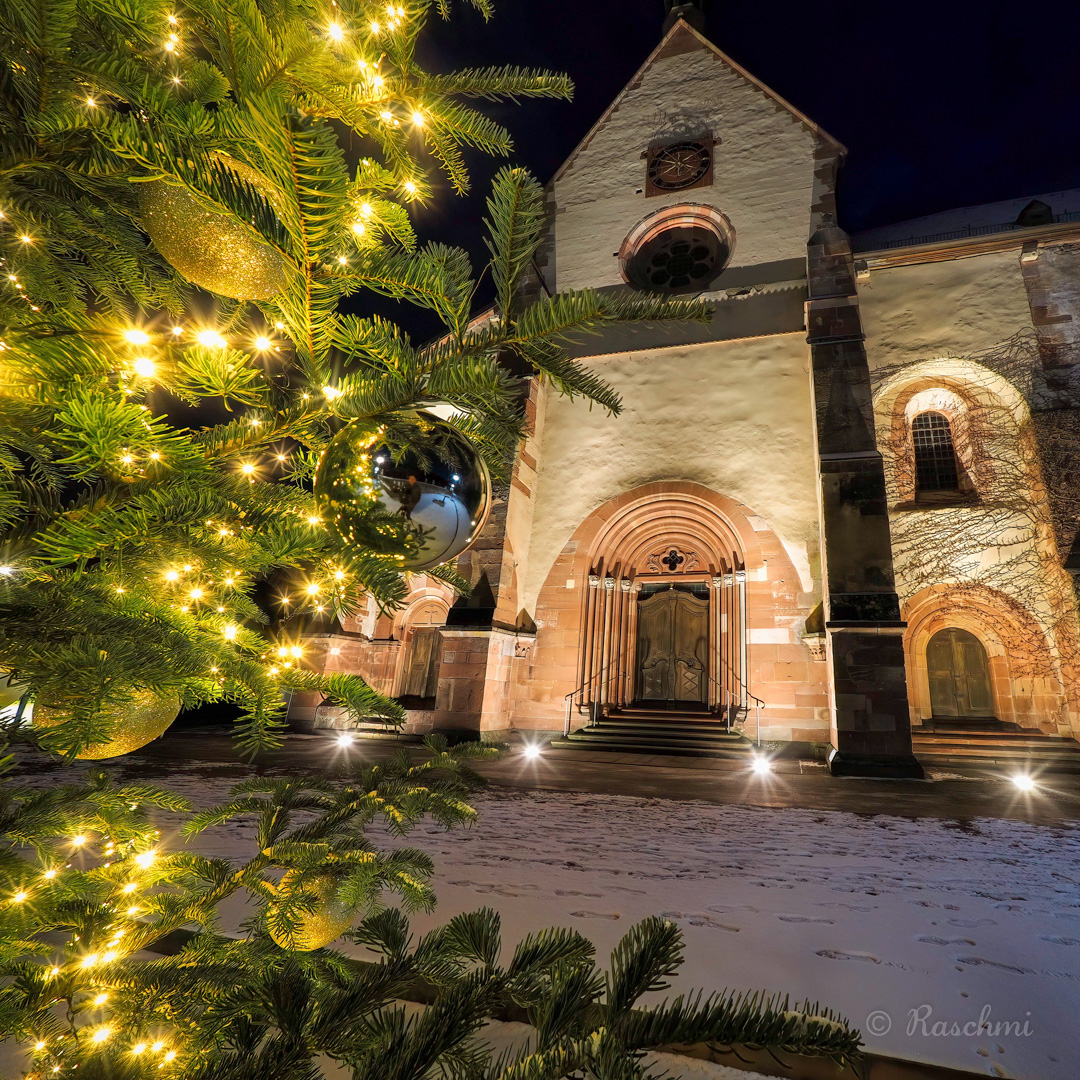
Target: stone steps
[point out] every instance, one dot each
(1026, 750)
(637, 731)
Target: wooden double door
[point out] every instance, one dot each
(959, 676)
(673, 648)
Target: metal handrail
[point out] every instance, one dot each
(758, 706)
(580, 690)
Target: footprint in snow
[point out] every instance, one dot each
(929, 940)
(1062, 940)
(979, 961)
(699, 919)
(837, 954)
(804, 919)
(971, 924)
(574, 892)
(594, 915)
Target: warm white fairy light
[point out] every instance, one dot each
(18, 898)
(247, 468)
(177, 331)
(144, 858)
(335, 32)
(375, 28)
(171, 575)
(195, 594)
(130, 887)
(342, 260)
(410, 187)
(262, 343)
(359, 228)
(331, 392)
(418, 119)
(136, 337)
(102, 1034)
(139, 1048)
(101, 999)
(211, 339)
(230, 632)
(143, 366)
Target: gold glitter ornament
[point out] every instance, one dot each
(134, 723)
(212, 249)
(426, 505)
(318, 928)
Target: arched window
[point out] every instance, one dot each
(935, 457)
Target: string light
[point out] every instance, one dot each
(139, 1048)
(410, 187)
(418, 119)
(359, 228)
(172, 575)
(136, 337)
(335, 32)
(177, 330)
(144, 366)
(211, 339)
(331, 392)
(230, 632)
(263, 343)
(375, 28)
(144, 859)
(247, 468)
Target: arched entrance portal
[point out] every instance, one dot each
(959, 676)
(664, 617)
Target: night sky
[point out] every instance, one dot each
(941, 103)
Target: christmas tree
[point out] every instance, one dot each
(114, 962)
(181, 225)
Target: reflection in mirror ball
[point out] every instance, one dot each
(426, 505)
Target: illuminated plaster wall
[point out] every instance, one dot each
(732, 416)
(922, 323)
(953, 308)
(763, 169)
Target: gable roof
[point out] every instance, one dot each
(683, 38)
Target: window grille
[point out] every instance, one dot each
(935, 457)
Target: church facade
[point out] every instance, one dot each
(840, 513)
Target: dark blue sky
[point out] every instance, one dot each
(940, 103)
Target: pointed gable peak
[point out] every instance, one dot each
(680, 39)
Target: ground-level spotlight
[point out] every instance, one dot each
(1023, 782)
(761, 765)
(531, 751)
(346, 738)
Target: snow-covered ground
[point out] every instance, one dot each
(902, 925)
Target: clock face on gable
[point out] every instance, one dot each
(679, 166)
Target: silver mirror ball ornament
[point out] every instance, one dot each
(425, 505)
